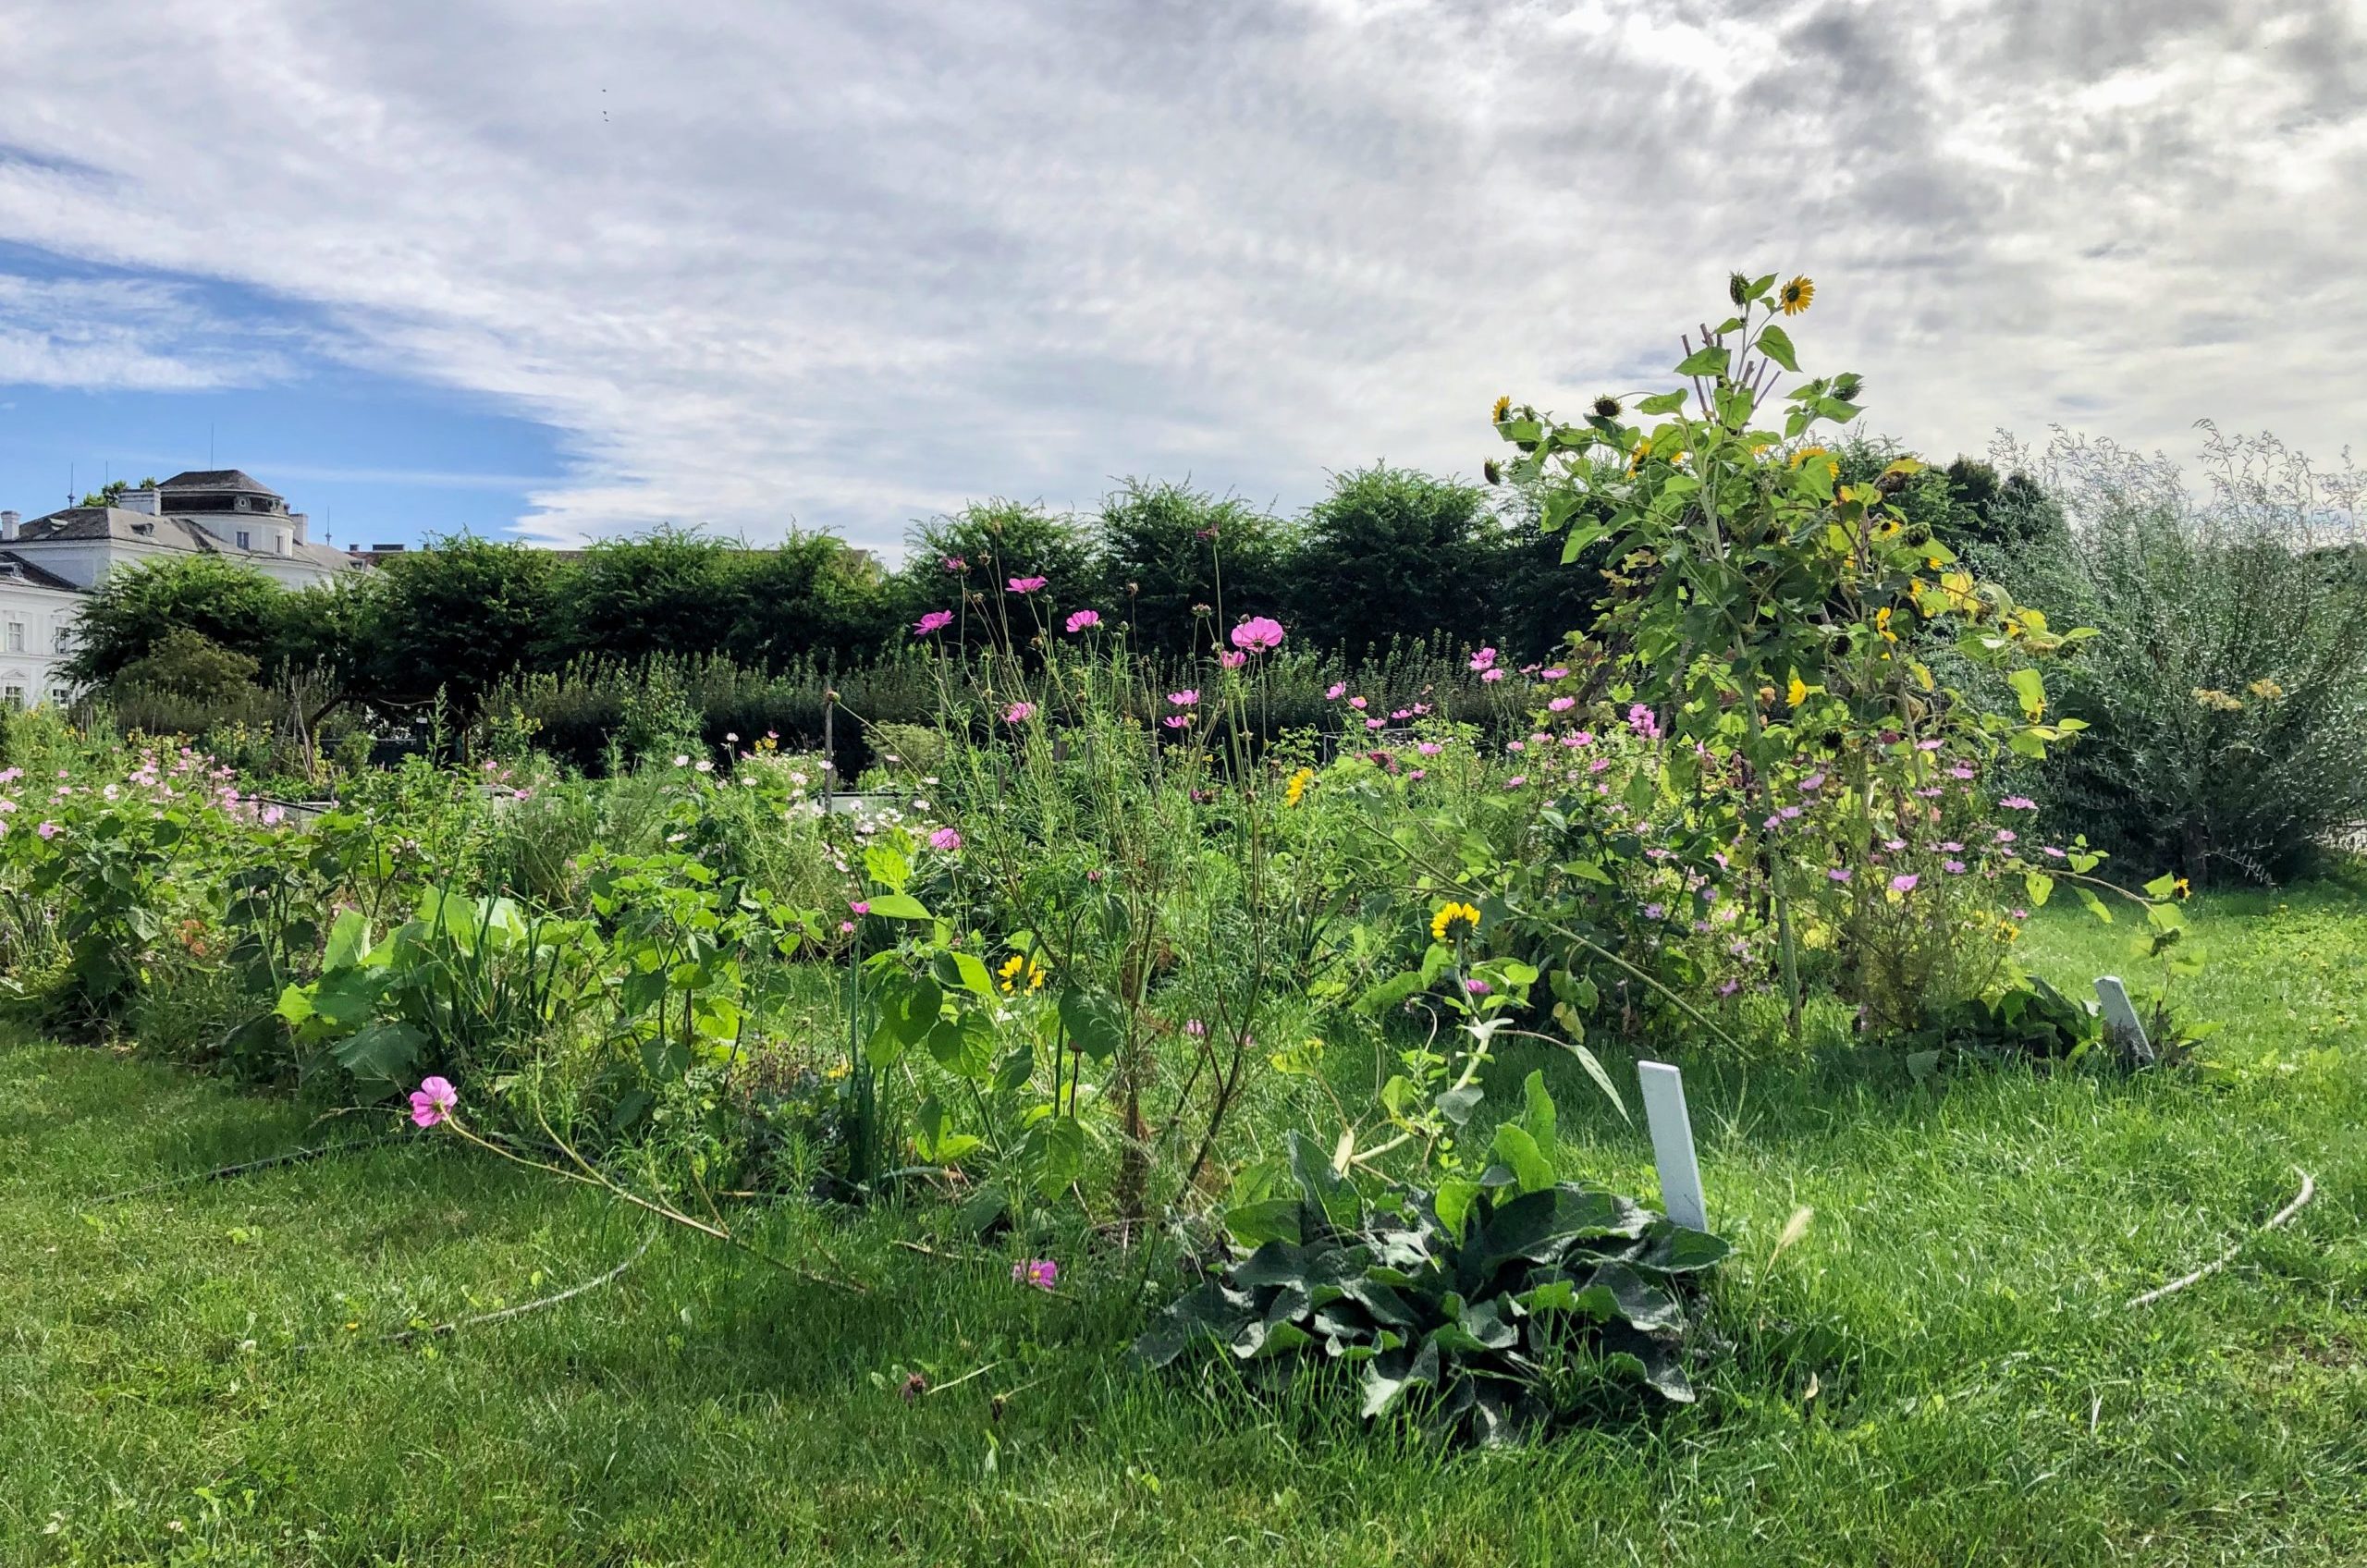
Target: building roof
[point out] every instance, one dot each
(216, 479)
(117, 526)
(14, 568)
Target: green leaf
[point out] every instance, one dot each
(964, 1043)
(1662, 402)
(888, 868)
(1517, 1150)
(1537, 1117)
(898, 906)
(1710, 361)
(349, 939)
(1593, 1066)
(1268, 1219)
(1452, 1203)
(2038, 885)
(1094, 1019)
(1776, 344)
(382, 1051)
(2030, 688)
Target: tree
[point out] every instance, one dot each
(1394, 553)
(1994, 519)
(673, 590)
(1167, 549)
(813, 596)
(133, 611)
(461, 614)
(191, 667)
(993, 542)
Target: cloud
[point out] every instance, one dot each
(133, 334)
(845, 264)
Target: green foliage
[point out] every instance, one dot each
(1393, 553)
(1488, 1307)
(456, 616)
(2227, 694)
(1181, 564)
(191, 666)
(128, 617)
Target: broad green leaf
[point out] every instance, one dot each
(898, 906)
(1095, 1020)
(1776, 344)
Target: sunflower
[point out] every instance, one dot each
(1449, 916)
(1797, 295)
(1018, 970)
(1295, 790)
(1797, 692)
(1503, 407)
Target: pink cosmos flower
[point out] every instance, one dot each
(1838, 874)
(945, 839)
(1019, 713)
(433, 1101)
(1929, 745)
(845, 927)
(1904, 883)
(1961, 770)
(1812, 783)
(1232, 661)
(1643, 721)
(1492, 675)
(1477, 987)
(1554, 674)
(932, 623)
(1375, 723)
(2050, 853)
(2006, 835)
(2019, 914)
(1084, 619)
(1483, 658)
(1517, 780)
(955, 563)
(1357, 703)
(1258, 635)
(1185, 698)
(1952, 867)
(1175, 721)
(1027, 584)
(1336, 688)
(1040, 1272)
(49, 830)
(2019, 803)
(1430, 748)
(860, 906)
(1562, 705)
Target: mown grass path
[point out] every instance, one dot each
(1942, 1371)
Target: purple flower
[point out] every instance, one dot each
(2006, 835)
(932, 623)
(1562, 705)
(2019, 803)
(1492, 675)
(1084, 619)
(1484, 660)
(49, 830)
(1655, 911)
(1477, 987)
(1430, 748)
(1027, 584)
(1376, 723)
(1176, 720)
(1019, 713)
(1232, 661)
(433, 1101)
(1554, 674)
(1952, 867)
(2050, 853)
(1259, 633)
(1040, 1272)
(945, 839)
(1336, 689)
(1927, 745)
(1185, 698)
(955, 563)
(1812, 783)
(1357, 703)
(1904, 883)
(1643, 721)
(1838, 874)
(860, 906)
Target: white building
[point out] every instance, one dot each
(47, 564)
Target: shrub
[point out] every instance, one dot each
(2227, 694)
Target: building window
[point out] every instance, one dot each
(245, 542)
(13, 696)
(16, 636)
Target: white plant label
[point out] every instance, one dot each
(1671, 1125)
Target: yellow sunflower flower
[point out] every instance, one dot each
(1797, 295)
(1450, 915)
(1797, 692)
(1297, 789)
(1503, 407)
(1805, 453)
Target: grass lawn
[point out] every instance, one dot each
(1942, 1371)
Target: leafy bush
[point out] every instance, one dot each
(2227, 694)
(1501, 1299)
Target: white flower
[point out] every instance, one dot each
(682, 762)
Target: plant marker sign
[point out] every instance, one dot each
(2122, 1026)
(1664, 1089)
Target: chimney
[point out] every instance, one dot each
(150, 501)
(297, 521)
(8, 522)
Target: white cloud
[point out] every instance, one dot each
(851, 263)
(133, 333)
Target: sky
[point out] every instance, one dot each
(560, 271)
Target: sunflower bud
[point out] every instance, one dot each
(1737, 288)
(1607, 406)
(1495, 476)
(1848, 384)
